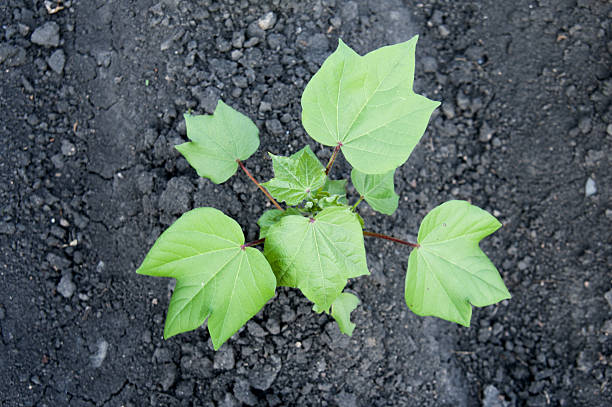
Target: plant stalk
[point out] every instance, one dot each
(253, 243)
(392, 239)
(357, 203)
(332, 158)
(265, 191)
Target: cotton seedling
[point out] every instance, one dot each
(365, 108)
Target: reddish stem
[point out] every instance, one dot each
(265, 191)
(253, 243)
(333, 158)
(393, 239)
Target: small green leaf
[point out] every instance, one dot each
(328, 201)
(336, 187)
(341, 311)
(272, 216)
(217, 141)
(367, 105)
(296, 177)
(317, 255)
(449, 273)
(216, 278)
(378, 190)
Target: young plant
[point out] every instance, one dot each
(364, 107)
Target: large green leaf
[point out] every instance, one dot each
(367, 105)
(378, 190)
(216, 278)
(296, 177)
(449, 273)
(317, 255)
(217, 141)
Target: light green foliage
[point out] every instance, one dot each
(341, 311)
(296, 177)
(215, 277)
(367, 104)
(217, 141)
(272, 216)
(449, 273)
(317, 255)
(378, 190)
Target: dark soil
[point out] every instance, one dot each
(91, 102)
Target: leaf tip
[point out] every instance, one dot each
(221, 104)
(168, 334)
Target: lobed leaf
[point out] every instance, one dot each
(449, 273)
(367, 105)
(378, 190)
(216, 278)
(296, 177)
(217, 141)
(317, 255)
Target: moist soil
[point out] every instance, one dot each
(92, 97)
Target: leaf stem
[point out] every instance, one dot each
(333, 158)
(357, 203)
(393, 239)
(253, 243)
(265, 191)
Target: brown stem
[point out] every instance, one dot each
(333, 158)
(265, 191)
(393, 239)
(253, 243)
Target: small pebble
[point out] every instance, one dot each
(56, 61)
(430, 64)
(444, 31)
(66, 287)
(98, 357)
(46, 35)
(590, 188)
(68, 149)
(266, 22)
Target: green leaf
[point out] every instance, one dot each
(336, 187)
(317, 255)
(367, 104)
(296, 177)
(378, 190)
(217, 141)
(449, 273)
(328, 201)
(272, 216)
(341, 311)
(216, 278)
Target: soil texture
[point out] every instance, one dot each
(92, 95)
